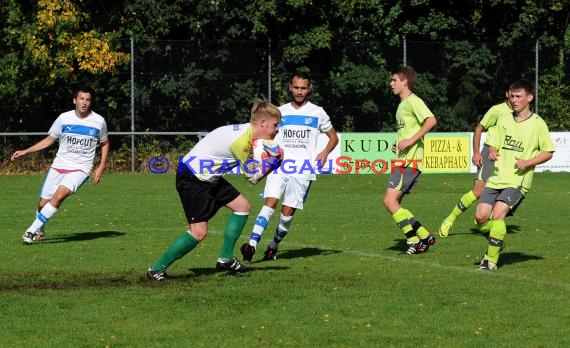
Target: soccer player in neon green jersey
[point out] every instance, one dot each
(518, 144)
(414, 120)
(203, 190)
(481, 160)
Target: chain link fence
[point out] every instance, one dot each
(174, 91)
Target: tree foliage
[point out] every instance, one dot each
(193, 72)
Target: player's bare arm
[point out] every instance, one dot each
(321, 158)
(477, 158)
(42, 144)
(98, 172)
(493, 153)
(429, 123)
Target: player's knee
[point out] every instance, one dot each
(389, 204)
(481, 218)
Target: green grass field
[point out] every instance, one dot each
(338, 280)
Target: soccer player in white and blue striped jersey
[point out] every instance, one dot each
(80, 132)
(299, 129)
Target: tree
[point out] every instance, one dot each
(50, 48)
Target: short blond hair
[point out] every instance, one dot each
(263, 108)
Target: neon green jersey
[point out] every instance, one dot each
(225, 149)
(514, 140)
(492, 115)
(410, 116)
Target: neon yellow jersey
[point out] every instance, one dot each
(514, 140)
(225, 149)
(410, 116)
(492, 115)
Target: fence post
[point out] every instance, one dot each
(269, 70)
(405, 51)
(132, 105)
(537, 47)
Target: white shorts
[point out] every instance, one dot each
(71, 180)
(295, 189)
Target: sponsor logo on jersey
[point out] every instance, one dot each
(512, 144)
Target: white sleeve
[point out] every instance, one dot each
(325, 124)
(103, 135)
(55, 129)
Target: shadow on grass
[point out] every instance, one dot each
(509, 258)
(82, 236)
(303, 252)
(511, 229)
(197, 273)
(399, 246)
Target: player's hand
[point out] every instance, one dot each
(477, 159)
(97, 175)
(404, 144)
(18, 154)
(522, 164)
(255, 178)
(321, 159)
(493, 154)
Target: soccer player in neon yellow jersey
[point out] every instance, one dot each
(481, 160)
(414, 119)
(518, 144)
(203, 190)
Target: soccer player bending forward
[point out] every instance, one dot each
(203, 191)
(518, 144)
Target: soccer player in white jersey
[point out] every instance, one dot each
(299, 130)
(79, 132)
(203, 190)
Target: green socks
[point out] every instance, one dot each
(496, 240)
(405, 219)
(234, 227)
(464, 203)
(485, 226)
(178, 248)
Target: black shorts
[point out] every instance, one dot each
(201, 200)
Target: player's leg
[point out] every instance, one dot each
(464, 202)
(484, 208)
(240, 208)
(418, 238)
(181, 246)
(199, 202)
(481, 176)
(274, 188)
(280, 232)
(265, 214)
(57, 187)
(507, 202)
(296, 193)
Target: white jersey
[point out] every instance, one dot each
(225, 149)
(298, 135)
(78, 140)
